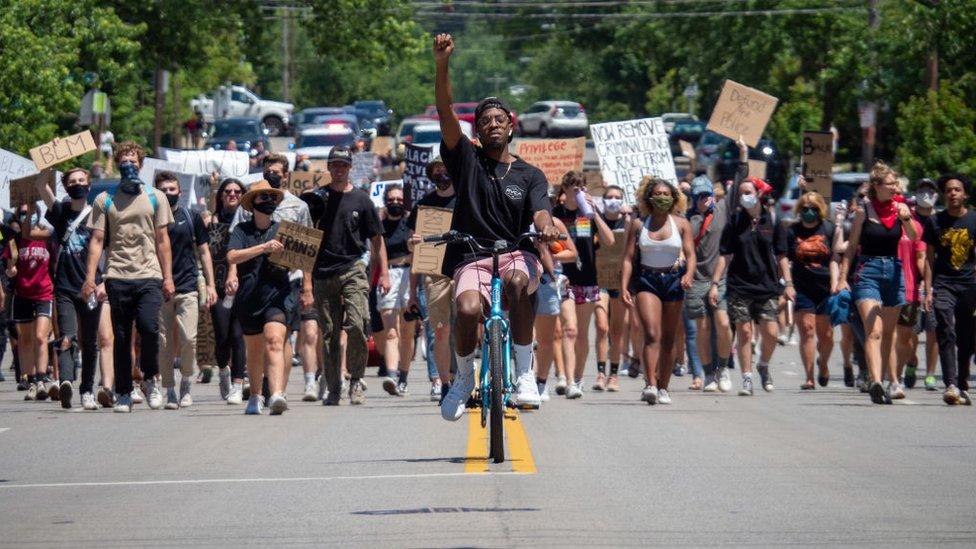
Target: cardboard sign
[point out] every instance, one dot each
(687, 149)
(554, 157)
(61, 149)
(757, 168)
(362, 174)
(299, 182)
(428, 258)
(301, 246)
(382, 146)
(818, 162)
(609, 260)
(742, 110)
(632, 149)
(415, 182)
(24, 190)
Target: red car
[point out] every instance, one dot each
(464, 111)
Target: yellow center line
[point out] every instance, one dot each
(519, 454)
(518, 445)
(476, 457)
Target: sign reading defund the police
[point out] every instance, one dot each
(631, 149)
(301, 246)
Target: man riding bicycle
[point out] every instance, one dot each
(499, 197)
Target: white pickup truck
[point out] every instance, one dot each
(238, 101)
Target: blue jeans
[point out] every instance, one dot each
(691, 344)
(428, 330)
(879, 278)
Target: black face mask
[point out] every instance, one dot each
(443, 182)
(78, 191)
(173, 199)
(267, 208)
(273, 179)
(130, 186)
(395, 209)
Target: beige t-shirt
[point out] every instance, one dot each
(131, 235)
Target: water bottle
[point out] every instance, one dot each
(584, 206)
(227, 302)
(92, 302)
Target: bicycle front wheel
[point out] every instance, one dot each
(496, 434)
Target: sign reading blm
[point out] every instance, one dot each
(301, 246)
(61, 149)
(632, 149)
(742, 110)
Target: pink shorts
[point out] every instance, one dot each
(477, 274)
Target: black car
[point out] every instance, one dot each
(373, 113)
(245, 132)
(685, 130)
(765, 150)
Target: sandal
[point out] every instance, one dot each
(808, 386)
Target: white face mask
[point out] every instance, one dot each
(749, 201)
(925, 200)
(613, 205)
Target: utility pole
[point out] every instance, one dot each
(285, 62)
(868, 109)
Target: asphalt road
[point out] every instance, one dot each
(817, 468)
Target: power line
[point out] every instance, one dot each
(637, 15)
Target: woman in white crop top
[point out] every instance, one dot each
(658, 266)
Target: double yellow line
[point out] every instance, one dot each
(518, 452)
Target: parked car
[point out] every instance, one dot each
(429, 135)
(317, 142)
(238, 101)
(548, 118)
(844, 187)
(685, 130)
(765, 150)
(311, 117)
(404, 133)
(245, 132)
(707, 149)
(376, 112)
(670, 118)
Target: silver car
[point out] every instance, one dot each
(551, 118)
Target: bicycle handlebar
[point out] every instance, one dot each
(497, 246)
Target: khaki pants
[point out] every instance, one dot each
(343, 305)
(183, 312)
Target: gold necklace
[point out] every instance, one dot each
(506, 172)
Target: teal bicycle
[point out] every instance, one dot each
(497, 388)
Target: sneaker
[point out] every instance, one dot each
(452, 407)
(223, 376)
(137, 396)
(765, 377)
(782, 339)
(186, 400)
(877, 392)
(930, 383)
(236, 394)
(574, 390)
(896, 391)
(848, 377)
(663, 397)
(254, 405)
(52, 389)
(649, 395)
(435, 390)
(123, 404)
(601, 382)
(724, 381)
(172, 403)
(711, 386)
(155, 395)
(31, 392)
(543, 392)
(296, 361)
(635, 370)
(390, 386)
(561, 385)
(332, 398)
(964, 398)
(278, 405)
(527, 392)
(65, 391)
(42, 393)
(613, 384)
(311, 391)
(357, 393)
(746, 389)
(401, 388)
(911, 376)
(862, 382)
(206, 374)
(246, 389)
(951, 395)
(104, 397)
(679, 370)
(88, 402)
(23, 384)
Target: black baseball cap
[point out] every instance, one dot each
(340, 154)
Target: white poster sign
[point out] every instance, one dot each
(631, 149)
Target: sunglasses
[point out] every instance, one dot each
(232, 191)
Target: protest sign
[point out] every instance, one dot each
(382, 146)
(61, 149)
(415, 182)
(12, 166)
(554, 157)
(687, 149)
(608, 261)
(301, 246)
(152, 165)
(428, 258)
(818, 162)
(226, 163)
(299, 182)
(361, 174)
(206, 342)
(632, 149)
(742, 110)
(377, 188)
(24, 190)
(757, 168)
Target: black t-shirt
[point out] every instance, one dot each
(219, 235)
(581, 229)
(349, 221)
(186, 232)
(754, 247)
(809, 250)
(261, 282)
(494, 201)
(72, 258)
(395, 234)
(430, 199)
(952, 240)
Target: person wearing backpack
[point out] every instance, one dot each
(129, 222)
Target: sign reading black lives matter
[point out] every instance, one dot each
(631, 149)
(415, 182)
(301, 246)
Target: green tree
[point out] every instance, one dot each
(937, 131)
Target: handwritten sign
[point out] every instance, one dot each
(687, 149)
(12, 166)
(226, 163)
(152, 165)
(382, 146)
(415, 182)
(301, 246)
(742, 110)
(757, 168)
(554, 157)
(377, 188)
(24, 190)
(818, 162)
(428, 258)
(61, 149)
(361, 174)
(608, 261)
(299, 182)
(632, 149)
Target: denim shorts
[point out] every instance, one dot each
(880, 279)
(547, 298)
(805, 303)
(666, 286)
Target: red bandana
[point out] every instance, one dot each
(887, 212)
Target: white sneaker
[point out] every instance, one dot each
(155, 395)
(277, 404)
(527, 392)
(724, 381)
(255, 404)
(311, 391)
(663, 397)
(649, 395)
(561, 385)
(137, 396)
(236, 394)
(452, 407)
(172, 403)
(435, 390)
(186, 401)
(223, 375)
(88, 402)
(574, 390)
(710, 387)
(543, 392)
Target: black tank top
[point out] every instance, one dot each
(876, 240)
